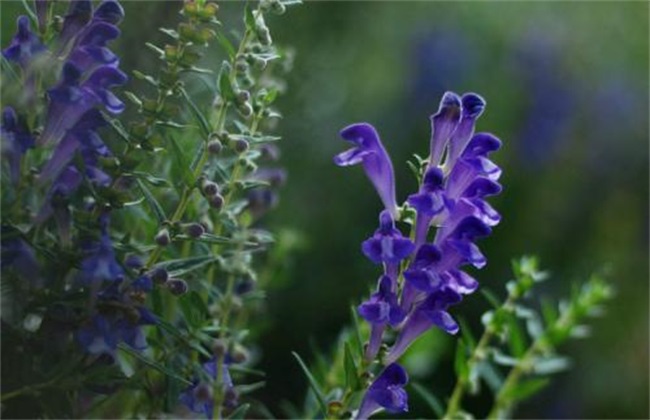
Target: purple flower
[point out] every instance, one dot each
(19, 256)
(387, 245)
(72, 98)
(387, 391)
(380, 310)
(100, 265)
(430, 312)
(118, 319)
(16, 140)
(24, 45)
(428, 202)
(472, 108)
(370, 152)
(198, 397)
(443, 125)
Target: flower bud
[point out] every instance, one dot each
(209, 188)
(241, 66)
(243, 96)
(240, 145)
(216, 201)
(133, 261)
(245, 109)
(215, 146)
(159, 275)
(239, 354)
(219, 347)
(194, 230)
(162, 237)
(278, 8)
(178, 287)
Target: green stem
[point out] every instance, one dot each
(478, 354)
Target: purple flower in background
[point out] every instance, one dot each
(198, 397)
(24, 45)
(100, 264)
(118, 319)
(387, 391)
(19, 256)
(16, 140)
(370, 153)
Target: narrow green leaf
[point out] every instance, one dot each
(147, 78)
(170, 32)
(225, 86)
(550, 365)
(182, 266)
(248, 388)
(155, 49)
(152, 364)
(516, 339)
(194, 309)
(200, 118)
(152, 202)
(432, 401)
(526, 389)
(358, 342)
(312, 383)
(30, 12)
(249, 19)
(226, 44)
(491, 297)
(240, 412)
(490, 375)
(153, 180)
(181, 161)
(351, 371)
(460, 361)
(133, 98)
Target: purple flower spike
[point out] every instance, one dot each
(109, 11)
(24, 45)
(370, 152)
(473, 106)
(443, 125)
(387, 391)
(387, 245)
(16, 140)
(430, 312)
(101, 265)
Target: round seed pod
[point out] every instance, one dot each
(216, 201)
(215, 147)
(209, 188)
(159, 275)
(240, 145)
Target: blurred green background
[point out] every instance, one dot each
(567, 91)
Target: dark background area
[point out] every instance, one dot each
(567, 91)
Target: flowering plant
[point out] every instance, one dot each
(133, 233)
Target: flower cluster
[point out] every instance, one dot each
(423, 276)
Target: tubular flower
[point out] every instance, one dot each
(387, 391)
(456, 181)
(16, 140)
(24, 45)
(370, 152)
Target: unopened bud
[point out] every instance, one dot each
(215, 147)
(243, 96)
(240, 145)
(209, 188)
(219, 347)
(162, 237)
(194, 230)
(239, 354)
(159, 275)
(216, 201)
(245, 109)
(177, 286)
